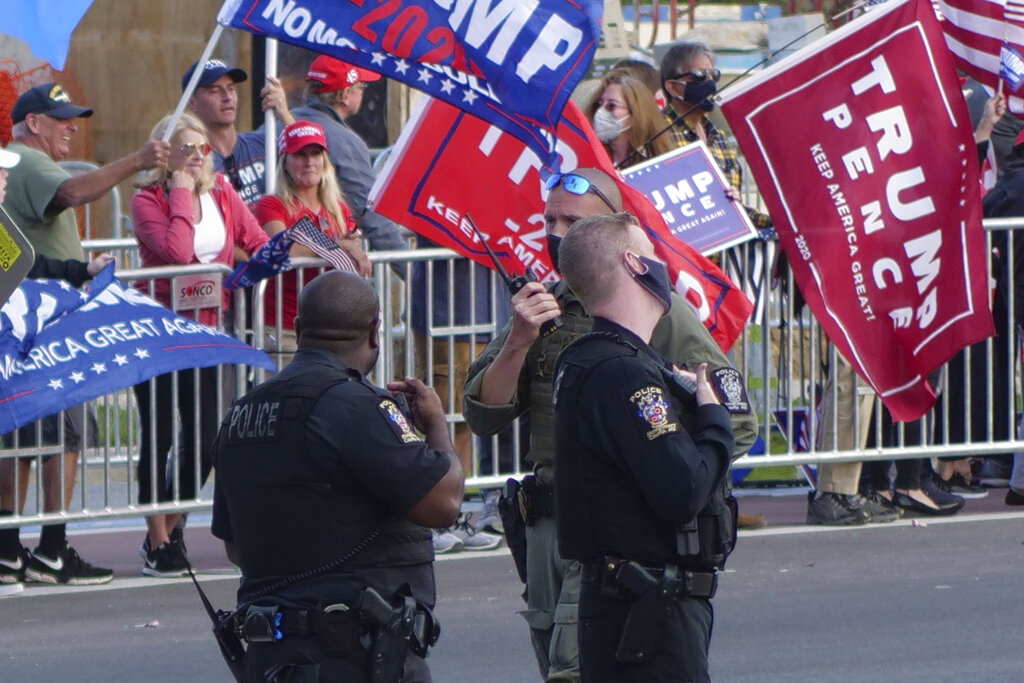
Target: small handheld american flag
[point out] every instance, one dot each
(305, 232)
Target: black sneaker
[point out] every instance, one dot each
(880, 509)
(834, 509)
(959, 486)
(12, 573)
(1013, 498)
(166, 561)
(177, 534)
(67, 568)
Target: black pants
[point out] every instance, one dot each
(207, 425)
(301, 660)
(683, 659)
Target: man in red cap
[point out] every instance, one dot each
(334, 91)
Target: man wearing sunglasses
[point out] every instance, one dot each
(514, 376)
(690, 80)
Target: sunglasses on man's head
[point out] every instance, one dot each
(699, 75)
(578, 185)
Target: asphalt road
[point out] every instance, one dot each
(898, 602)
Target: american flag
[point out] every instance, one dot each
(976, 31)
(306, 232)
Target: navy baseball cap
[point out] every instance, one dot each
(49, 99)
(212, 72)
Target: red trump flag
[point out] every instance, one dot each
(448, 164)
(862, 147)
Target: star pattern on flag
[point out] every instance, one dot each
(141, 353)
(99, 368)
(121, 360)
(64, 285)
(56, 384)
(389, 65)
(76, 377)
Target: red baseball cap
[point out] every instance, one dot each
(297, 135)
(334, 74)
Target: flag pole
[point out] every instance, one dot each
(193, 82)
(270, 121)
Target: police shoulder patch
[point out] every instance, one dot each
(728, 385)
(652, 408)
(397, 420)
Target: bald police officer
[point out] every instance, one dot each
(324, 495)
(641, 456)
(513, 377)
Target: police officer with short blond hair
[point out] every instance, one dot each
(641, 457)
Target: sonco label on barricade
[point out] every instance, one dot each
(202, 290)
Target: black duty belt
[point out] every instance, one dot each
(262, 624)
(616, 579)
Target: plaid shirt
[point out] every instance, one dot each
(722, 151)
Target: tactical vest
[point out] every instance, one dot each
(286, 515)
(541, 365)
(606, 515)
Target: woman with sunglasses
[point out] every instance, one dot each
(307, 187)
(183, 214)
(626, 119)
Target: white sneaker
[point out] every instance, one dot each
(446, 542)
(473, 539)
(490, 518)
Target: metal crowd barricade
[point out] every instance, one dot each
(118, 221)
(783, 355)
(104, 476)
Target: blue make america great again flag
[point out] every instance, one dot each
(60, 347)
(513, 63)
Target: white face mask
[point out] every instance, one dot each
(607, 126)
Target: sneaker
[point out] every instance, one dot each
(446, 542)
(490, 520)
(959, 486)
(12, 573)
(949, 503)
(166, 561)
(834, 509)
(880, 509)
(177, 534)
(67, 568)
(472, 538)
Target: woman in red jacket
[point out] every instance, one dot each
(183, 214)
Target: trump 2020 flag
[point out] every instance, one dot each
(512, 63)
(444, 151)
(862, 147)
(60, 347)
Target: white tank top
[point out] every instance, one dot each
(210, 231)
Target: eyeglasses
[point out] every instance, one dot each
(578, 185)
(700, 75)
(190, 148)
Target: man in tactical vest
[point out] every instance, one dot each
(641, 456)
(324, 495)
(514, 376)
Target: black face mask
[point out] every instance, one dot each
(656, 281)
(699, 94)
(553, 242)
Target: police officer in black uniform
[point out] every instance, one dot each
(641, 454)
(324, 495)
